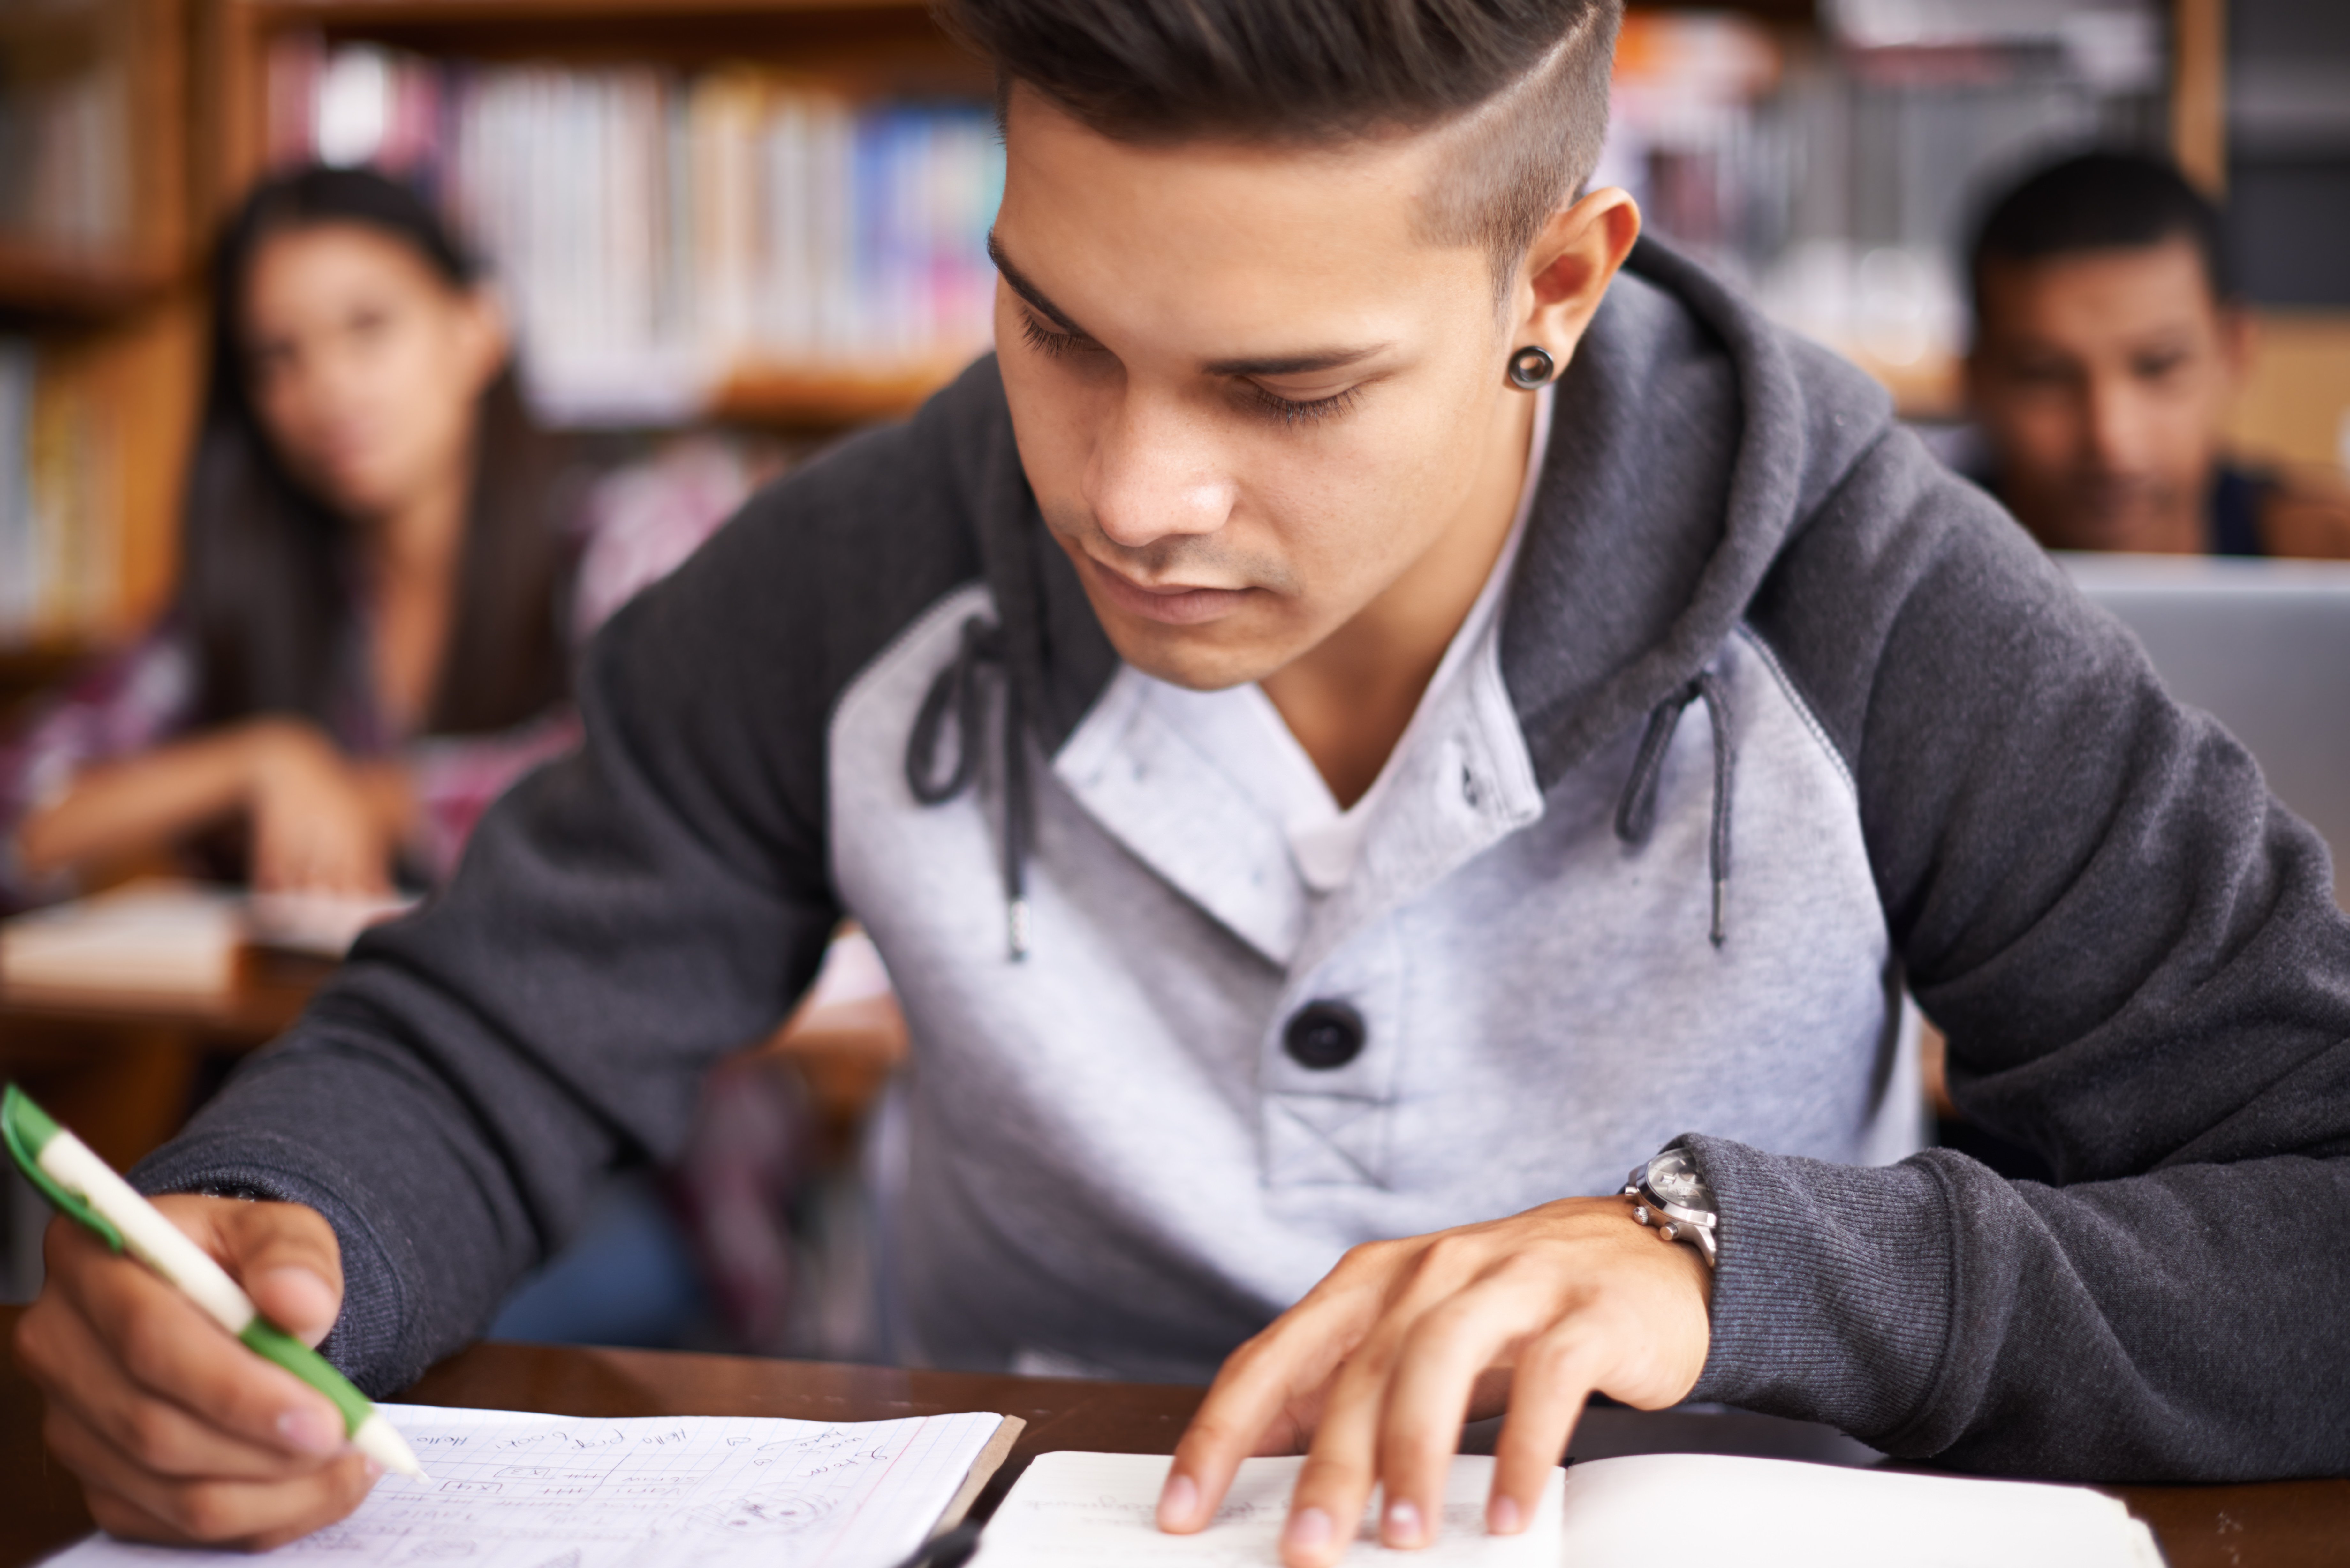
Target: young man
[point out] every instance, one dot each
(1332, 800)
(2107, 347)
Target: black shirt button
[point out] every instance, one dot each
(1323, 1034)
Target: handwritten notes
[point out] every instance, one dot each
(507, 1489)
(1084, 1509)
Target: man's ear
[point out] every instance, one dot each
(1569, 267)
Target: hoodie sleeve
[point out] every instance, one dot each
(2137, 956)
(622, 918)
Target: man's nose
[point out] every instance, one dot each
(1154, 473)
(2116, 426)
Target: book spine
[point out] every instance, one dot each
(19, 563)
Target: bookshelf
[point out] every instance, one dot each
(97, 322)
(696, 90)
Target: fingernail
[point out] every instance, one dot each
(311, 1432)
(1177, 1502)
(1403, 1523)
(1502, 1516)
(372, 1469)
(1308, 1530)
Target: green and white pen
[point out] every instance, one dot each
(82, 1186)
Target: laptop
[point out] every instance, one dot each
(2264, 648)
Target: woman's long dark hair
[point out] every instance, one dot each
(266, 577)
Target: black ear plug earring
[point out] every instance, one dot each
(1530, 367)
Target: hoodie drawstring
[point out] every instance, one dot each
(1636, 815)
(957, 691)
(958, 688)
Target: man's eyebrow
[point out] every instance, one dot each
(1295, 364)
(1028, 291)
(1273, 365)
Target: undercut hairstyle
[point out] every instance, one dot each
(1522, 84)
(2099, 202)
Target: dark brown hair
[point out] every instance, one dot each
(2100, 200)
(1525, 80)
(265, 579)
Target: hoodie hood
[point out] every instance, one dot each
(1689, 443)
(1688, 446)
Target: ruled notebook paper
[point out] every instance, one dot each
(1083, 1510)
(510, 1490)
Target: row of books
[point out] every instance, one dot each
(65, 156)
(655, 232)
(60, 507)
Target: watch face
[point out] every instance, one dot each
(1672, 1176)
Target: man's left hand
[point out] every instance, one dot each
(1404, 1341)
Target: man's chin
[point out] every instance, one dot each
(1207, 657)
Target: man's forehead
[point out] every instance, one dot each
(1248, 234)
(2169, 270)
(1373, 185)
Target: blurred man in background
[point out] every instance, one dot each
(2107, 347)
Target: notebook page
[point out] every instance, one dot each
(1081, 1510)
(1784, 1514)
(510, 1490)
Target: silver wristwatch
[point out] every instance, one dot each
(1668, 1193)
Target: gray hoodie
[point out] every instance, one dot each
(1778, 722)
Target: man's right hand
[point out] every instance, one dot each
(178, 1433)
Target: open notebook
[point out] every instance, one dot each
(162, 939)
(1073, 1510)
(506, 1490)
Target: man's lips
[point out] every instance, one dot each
(1175, 605)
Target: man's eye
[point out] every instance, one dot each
(1302, 411)
(1046, 341)
(2156, 367)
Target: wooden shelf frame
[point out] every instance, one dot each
(115, 321)
(150, 39)
(81, 289)
(786, 399)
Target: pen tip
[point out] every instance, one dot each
(378, 1441)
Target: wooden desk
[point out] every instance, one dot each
(121, 1069)
(2282, 1524)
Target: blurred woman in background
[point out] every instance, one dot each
(380, 578)
(385, 568)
